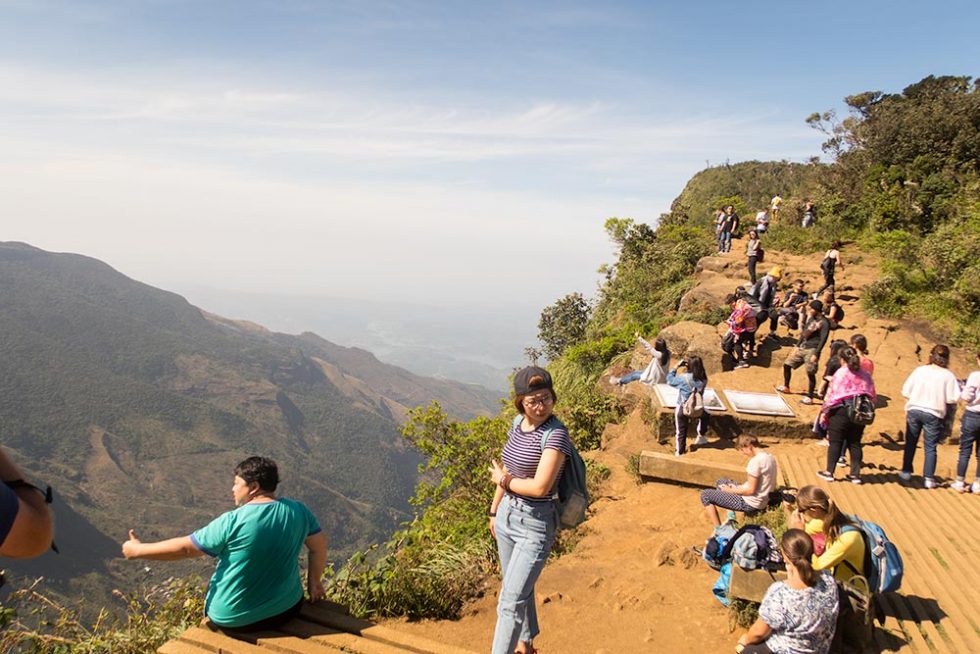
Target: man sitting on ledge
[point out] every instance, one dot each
(256, 584)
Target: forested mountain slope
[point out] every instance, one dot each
(135, 406)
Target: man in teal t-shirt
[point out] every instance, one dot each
(256, 583)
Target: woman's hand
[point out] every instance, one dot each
(497, 472)
(493, 527)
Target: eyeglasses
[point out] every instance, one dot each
(541, 400)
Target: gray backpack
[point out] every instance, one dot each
(693, 406)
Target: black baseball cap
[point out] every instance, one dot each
(522, 380)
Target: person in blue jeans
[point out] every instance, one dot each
(685, 383)
(969, 432)
(932, 392)
(655, 372)
(729, 223)
(524, 514)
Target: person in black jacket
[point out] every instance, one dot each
(813, 337)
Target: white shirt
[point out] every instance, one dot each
(930, 388)
(971, 392)
(762, 466)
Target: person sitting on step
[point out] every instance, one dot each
(655, 372)
(750, 496)
(842, 543)
(256, 583)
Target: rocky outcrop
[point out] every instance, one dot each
(689, 338)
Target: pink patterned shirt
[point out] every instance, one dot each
(846, 384)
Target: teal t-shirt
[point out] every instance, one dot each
(257, 547)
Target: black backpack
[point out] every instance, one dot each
(860, 410)
(828, 265)
(760, 255)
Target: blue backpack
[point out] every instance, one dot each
(883, 565)
(573, 495)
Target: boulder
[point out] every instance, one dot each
(712, 263)
(689, 338)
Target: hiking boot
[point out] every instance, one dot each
(854, 479)
(826, 476)
(959, 486)
(975, 487)
(905, 476)
(701, 440)
(929, 482)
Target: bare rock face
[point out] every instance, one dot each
(712, 263)
(687, 338)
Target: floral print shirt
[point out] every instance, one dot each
(802, 621)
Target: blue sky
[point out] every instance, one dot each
(443, 152)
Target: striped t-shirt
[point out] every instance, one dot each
(522, 452)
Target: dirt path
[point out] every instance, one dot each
(630, 585)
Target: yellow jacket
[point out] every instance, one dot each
(849, 547)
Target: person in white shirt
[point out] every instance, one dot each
(751, 496)
(969, 432)
(932, 392)
(762, 221)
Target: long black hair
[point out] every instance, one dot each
(695, 366)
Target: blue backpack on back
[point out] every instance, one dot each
(883, 564)
(573, 494)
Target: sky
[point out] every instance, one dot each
(448, 153)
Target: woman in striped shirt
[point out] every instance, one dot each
(523, 515)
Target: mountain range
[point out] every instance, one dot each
(135, 406)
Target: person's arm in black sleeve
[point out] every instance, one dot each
(824, 333)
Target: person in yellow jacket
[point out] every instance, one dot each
(836, 549)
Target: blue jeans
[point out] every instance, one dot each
(969, 441)
(525, 534)
(724, 241)
(630, 377)
(917, 422)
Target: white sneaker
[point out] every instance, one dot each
(905, 476)
(701, 440)
(930, 483)
(959, 486)
(613, 379)
(823, 442)
(975, 487)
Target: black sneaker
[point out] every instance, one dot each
(826, 476)
(842, 463)
(854, 479)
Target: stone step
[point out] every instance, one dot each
(685, 470)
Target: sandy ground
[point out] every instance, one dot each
(631, 584)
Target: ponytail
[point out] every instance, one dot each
(849, 356)
(797, 547)
(834, 520)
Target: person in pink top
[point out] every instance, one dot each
(860, 343)
(847, 383)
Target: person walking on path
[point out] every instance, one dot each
(849, 382)
(655, 372)
(686, 383)
(729, 223)
(26, 524)
(752, 247)
(831, 261)
(798, 614)
(932, 392)
(813, 336)
(969, 432)
(860, 343)
(742, 324)
(750, 496)
(523, 514)
(809, 214)
(766, 292)
(256, 584)
(774, 206)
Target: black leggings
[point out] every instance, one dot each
(844, 433)
(811, 380)
(752, 261)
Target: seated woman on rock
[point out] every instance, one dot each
(256, 584)
(841, 549)
(656, 372)
(749, 496)
(798, 614)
